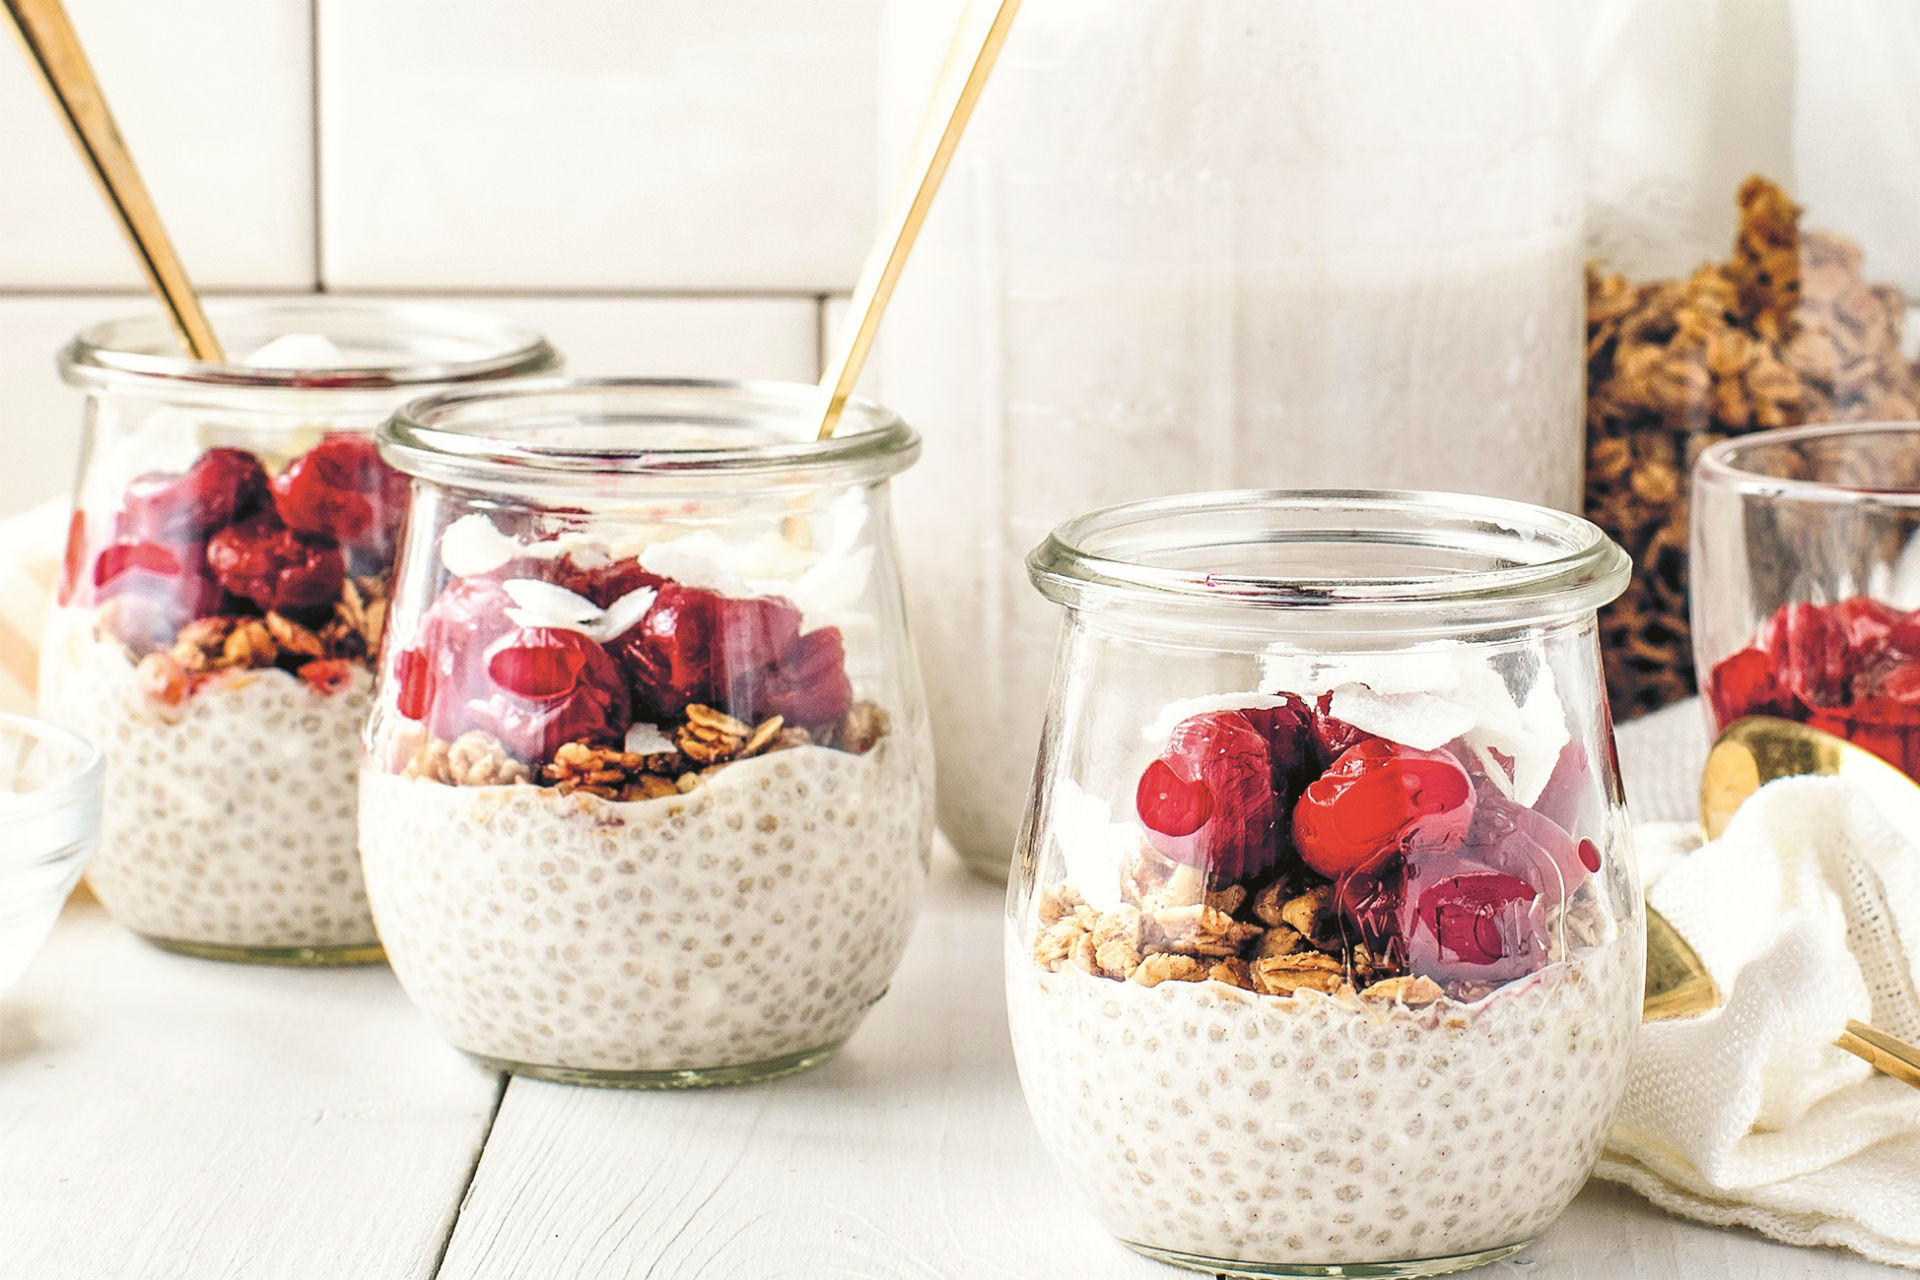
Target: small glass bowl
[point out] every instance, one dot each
(50, 787)
(1806, 582)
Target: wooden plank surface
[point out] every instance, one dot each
(910, 1157)
(174, 1118)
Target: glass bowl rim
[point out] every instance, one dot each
(422, 439)
(73, 783)
(1591, 569)
(1717, 465)
(134, 350)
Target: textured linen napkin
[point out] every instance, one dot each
(1807, 913)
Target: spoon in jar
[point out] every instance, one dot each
(1750, 754)
(54, 49)
(955, 94)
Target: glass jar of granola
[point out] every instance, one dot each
(1806, 600)
(1326, 945)
(647, 798)
(217, 619)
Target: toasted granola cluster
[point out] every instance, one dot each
(1276, 938)
(1786, 331)
(705, 741)
(323, 656)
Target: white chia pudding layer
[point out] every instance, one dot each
(229, 819)
(1211, 1121)
(754, 917)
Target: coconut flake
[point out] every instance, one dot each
(644, 739)
(624, 614)
(472, 546)
(297, 351)
(1093, 847)
(542, 604)
(1422, 721)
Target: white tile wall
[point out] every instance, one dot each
(215, 99)
(663, 188)
(597, 144)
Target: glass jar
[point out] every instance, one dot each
(1751, 193)
(1806, 599)
(1196, 243)
(648, 793)
(219, 613)
(1326, 945)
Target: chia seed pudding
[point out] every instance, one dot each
(647, 796)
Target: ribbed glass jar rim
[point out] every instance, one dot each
(590, 433)
(1751, 464)
(84, 772)
(1418, 560)
(386, 346)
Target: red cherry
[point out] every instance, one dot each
(1378, 799)
(808, 686)
(550, 687)
(161, 589)
(275, 567)
(1743, 684)
(1509, 837)
(1333, 737)
(1808, 645)
(1170, 804)
(1209, 800)
(697, 646)
(1289, 731)
(327, 676)
(445, 669)
(1471, 923)
(221, 487)
(615, 580)
(1589, 855)
(340, 489)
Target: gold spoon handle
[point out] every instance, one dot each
(55, 51)
(897, 234)
(1894, 1057)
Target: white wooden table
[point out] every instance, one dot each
(179, 1119)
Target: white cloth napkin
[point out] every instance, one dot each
(1807, 913)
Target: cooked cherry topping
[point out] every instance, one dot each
(550, 687)
(1851, 668)
(1332, 736)
(221, 487)
(446, 668)
(340, 489)
(1379, 799)
(1471, 922)
(808, 686)
(275, 567)
(157, 589)
(695, 645)
(615, 580)
(1209, 801)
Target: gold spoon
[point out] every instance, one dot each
(54, 49)
(954, 97)
(1750, 754)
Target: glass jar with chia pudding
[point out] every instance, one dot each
(647, 798)
(1326, 946)
(219, 613)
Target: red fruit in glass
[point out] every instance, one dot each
(808, 686)
(616, 580)
(340, 489)
(277, 568)
(1808, 645)
(696, 646)
(173, 584)
(446, 667)
(1509, 837)
(1378, 799)
(550, 687)
(222, 487)
(1208, 801)
(1289, 731)
(1464, 921)
(1744, 684)
(1333, 737)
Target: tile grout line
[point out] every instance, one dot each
(473, 1172)
(313, 137)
